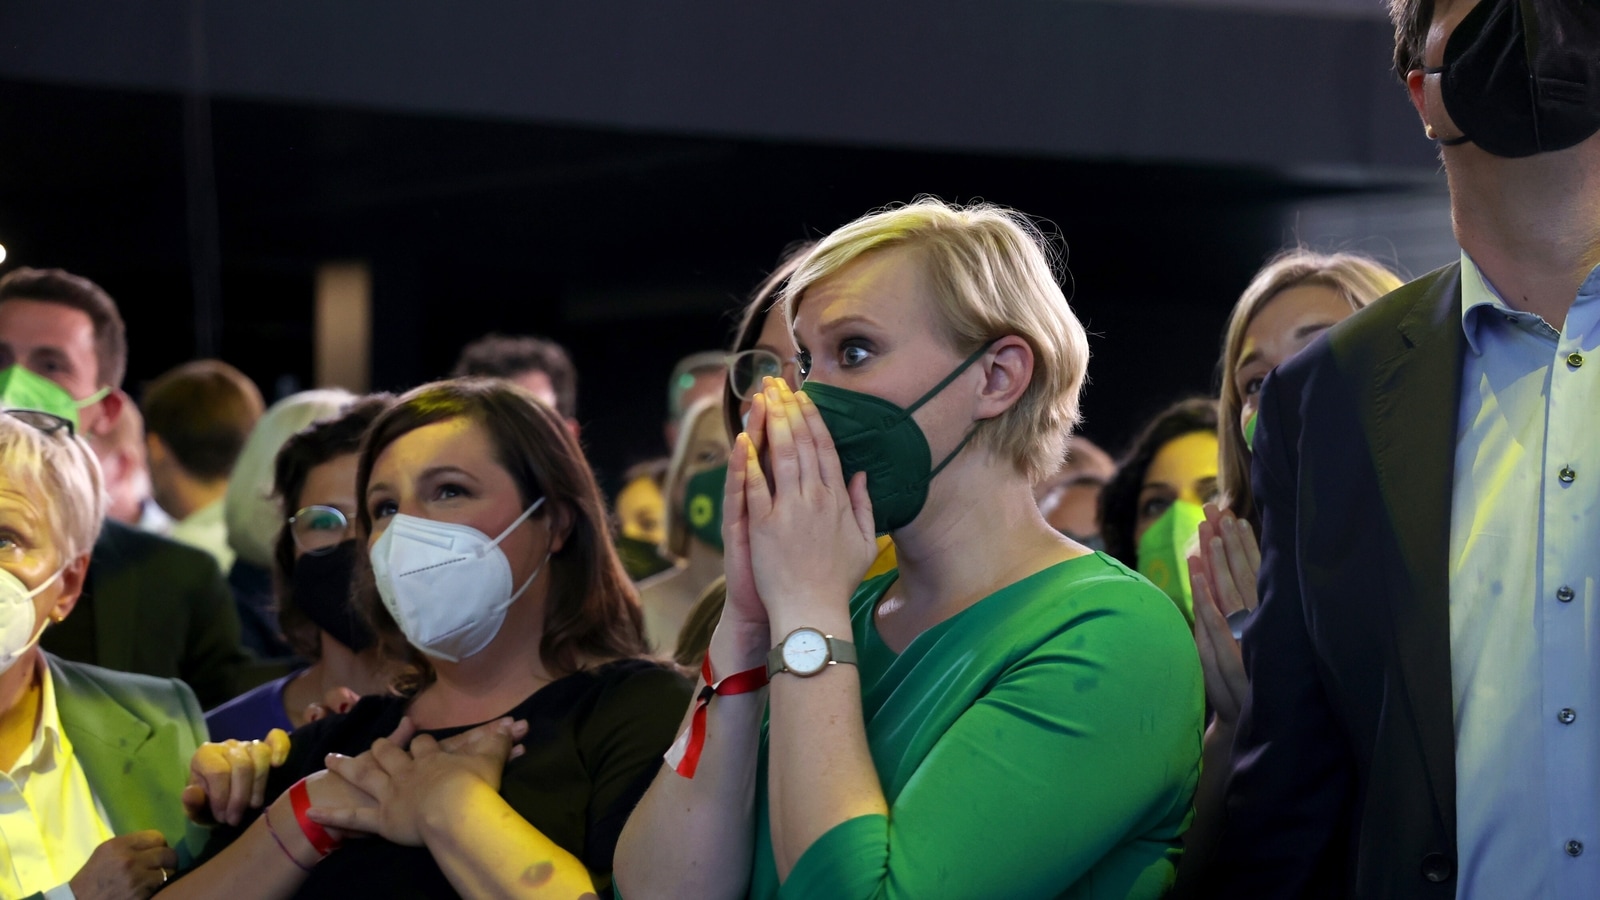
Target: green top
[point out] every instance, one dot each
(1044, 742)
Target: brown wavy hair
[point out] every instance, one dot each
(592, 611)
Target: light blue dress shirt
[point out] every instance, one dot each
(1524, 612)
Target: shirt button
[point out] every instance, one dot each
(1567, 716)
(1565, 594)
(1575, 360)
(1574, 848)
(1567, 475)
(1436, 868)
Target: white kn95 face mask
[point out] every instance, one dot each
(447, 586)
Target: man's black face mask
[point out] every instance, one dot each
(1523, 76)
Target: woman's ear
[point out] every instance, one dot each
(1007, 371)
(561, 519)
(72, 580)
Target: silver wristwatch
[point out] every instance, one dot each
(807, 651)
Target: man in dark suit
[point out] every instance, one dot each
(151, 606)
(1424, 715)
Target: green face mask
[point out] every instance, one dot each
(874, 436)
(23, 389)
(702, 505)
(1164, 552)
(1250, 432)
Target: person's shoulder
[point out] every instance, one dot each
(142, 695)
(252, 714)
(1357, 343)
(1099, 592)
(640, 677)
(122, 546)
(627, 691)
(75, 675)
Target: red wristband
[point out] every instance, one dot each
(321, 840)
(737, 683)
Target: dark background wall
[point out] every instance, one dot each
(617, 175)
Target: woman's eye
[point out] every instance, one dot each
(383, 509)
(803, 360)
(1252, 387)
(450, 491)
(852, 355)
(1154, 507)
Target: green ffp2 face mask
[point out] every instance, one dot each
(875, 436)
(21, 388)
(702, 504)
(1164, 552)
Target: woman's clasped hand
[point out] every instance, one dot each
(1223, 577)
(385, 791)
(810, 529)
(409, 777)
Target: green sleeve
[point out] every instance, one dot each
(1079, 761)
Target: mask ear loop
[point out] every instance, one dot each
(48, 621)
(971, 432)
(513, 526)
(934, 391)
(93, 398)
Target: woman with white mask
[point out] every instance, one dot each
(526, 724)
(89, 758)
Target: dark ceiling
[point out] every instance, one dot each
(630, 248)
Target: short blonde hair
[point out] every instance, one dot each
(1358, 279)
(63, 475)
(993, 274)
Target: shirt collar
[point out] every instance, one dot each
(50, 744)
(1479, 298)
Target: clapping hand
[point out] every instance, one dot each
(810, 531)
(1223, 578)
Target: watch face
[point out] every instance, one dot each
(805, 652)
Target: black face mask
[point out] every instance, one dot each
(1523, 76)
(321, 585)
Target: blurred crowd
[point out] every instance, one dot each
(880, 623)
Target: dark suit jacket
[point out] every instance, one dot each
(1343, 776)
(134, 737)
(155, 607)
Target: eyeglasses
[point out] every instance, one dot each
(746, 369)
(318, 529)
(49, 423)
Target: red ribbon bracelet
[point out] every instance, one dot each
(737, 683)
(321, 840)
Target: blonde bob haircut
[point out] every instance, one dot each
(993, 274)
(60, 476)
(1358, 279)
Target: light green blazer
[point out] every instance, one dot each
(134, 735)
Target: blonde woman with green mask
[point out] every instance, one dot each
(981, 721)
